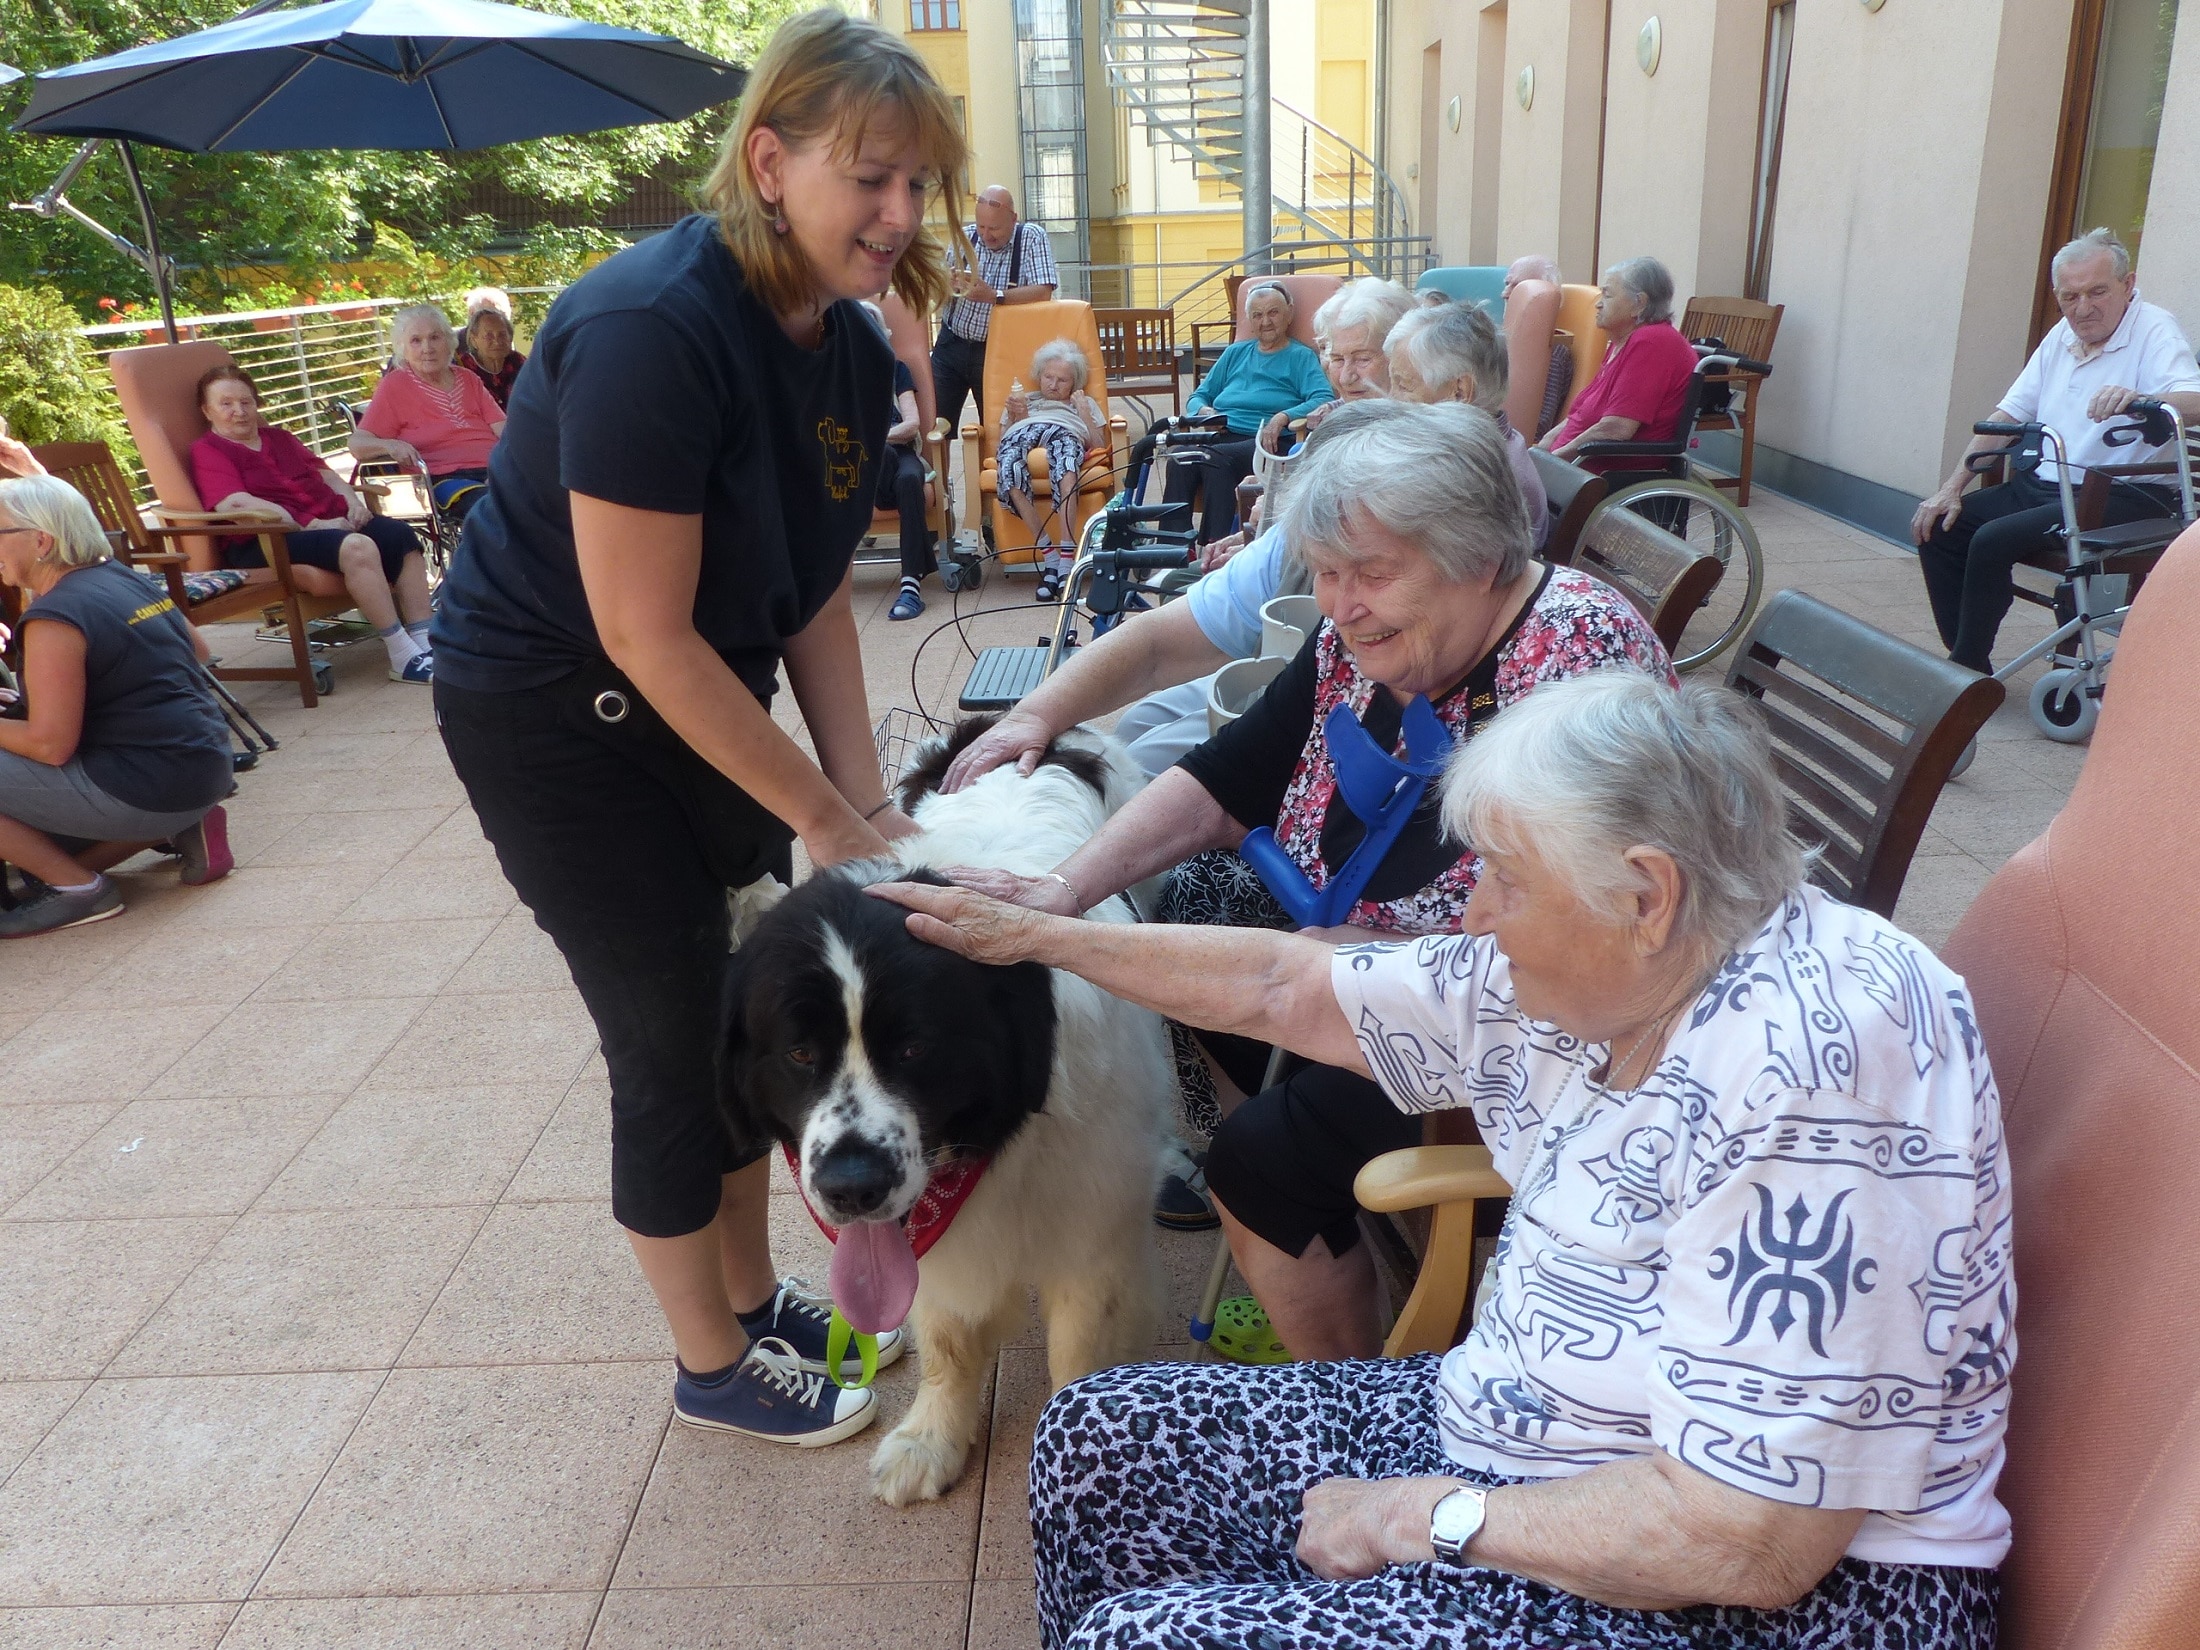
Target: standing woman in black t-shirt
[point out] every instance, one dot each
(672, 514)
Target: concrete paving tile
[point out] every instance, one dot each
(1020, 1390)
(723, 1512)
(544, 1283)
(786, 1618)
(35, 1138)
(335, 748)
(385, 959)
(316, 1290)
(185, 964)
(379, 837)
(481, 1480)
(572, 1159)
(1004, 1615)
(411, 1148)
(28, 1411)
(177, 1157)
(338, 791)
(411, 889)
(508, 1621)
(523, 1036)
(112, 1507)
(254, 829)
(70, 1054)
(517, 956)
(117, 1627)
(271, 896)
(458, 837)
(77, 1290)
(283, 1048)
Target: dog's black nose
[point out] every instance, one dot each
(855, 1176)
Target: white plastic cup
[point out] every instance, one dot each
(1235, 686)
(1285, 623)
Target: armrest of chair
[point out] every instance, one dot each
(1630, 449)
(1420, 1177)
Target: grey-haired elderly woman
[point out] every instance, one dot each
(1059, 416)
(428, 414)
(120, 744)
(1740, 1369)
(1637, 392)
(1454, 352)
(1410, 523)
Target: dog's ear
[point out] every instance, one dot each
(1030, 991)
(733, 1048)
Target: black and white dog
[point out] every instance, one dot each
(879, 1059)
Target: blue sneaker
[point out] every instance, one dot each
(800, 1316)
(769, 1395)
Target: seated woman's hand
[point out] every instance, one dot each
(328, 524)
(356, 512)
(1219, 551)
(1349, 1528)
(1018, 737)
(1048, 894)
(968, 923)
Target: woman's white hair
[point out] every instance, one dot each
(412, 318)
(1651, 282)
(60, 512)
(1066, 352)
(1582, 770)
(1437, 477)
(488, 297)
(1453, 341)
(1370, 303)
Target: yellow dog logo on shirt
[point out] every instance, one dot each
(845, 457)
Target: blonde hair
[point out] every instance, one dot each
(827, 74)
(54, 508)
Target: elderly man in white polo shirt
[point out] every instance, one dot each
(2110, 347)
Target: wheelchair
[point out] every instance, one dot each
(442, 505)
(2096, 569)
(1694, 511)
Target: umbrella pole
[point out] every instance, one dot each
(154, 260)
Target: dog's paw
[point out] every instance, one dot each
(915, 1466)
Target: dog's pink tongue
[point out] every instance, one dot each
(874, 1275)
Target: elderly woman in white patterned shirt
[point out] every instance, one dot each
(1741, 1368)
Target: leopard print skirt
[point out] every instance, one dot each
(1165, 1510)
(1215, 889)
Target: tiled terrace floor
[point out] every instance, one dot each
(315, 1329)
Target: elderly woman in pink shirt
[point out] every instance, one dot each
(428, 413)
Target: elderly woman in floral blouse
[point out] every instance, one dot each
(1411, 523)
(1739, 1376)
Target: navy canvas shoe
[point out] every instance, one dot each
(769, 1395)
(800, 1316)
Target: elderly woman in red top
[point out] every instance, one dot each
(243, 465)
(429, 413)
(1637, 393)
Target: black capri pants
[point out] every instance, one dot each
(318, 547)
(623, 843)
(1283, 1163)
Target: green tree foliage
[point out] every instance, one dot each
(48, 385)
(238, 222)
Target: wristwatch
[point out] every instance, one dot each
(1000, 295)
(1456, 1521)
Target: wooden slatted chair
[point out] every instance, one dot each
(1665, 577)
(1139, 347)
(1748, 328)
(204, 595)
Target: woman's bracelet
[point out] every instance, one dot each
(875, 812)
(1075, 898)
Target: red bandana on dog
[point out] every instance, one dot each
(874, 1272)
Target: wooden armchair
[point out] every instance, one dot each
(1865, 729)
(202, 594)
(1139, 347)
(158, 388)
(1748, 327)
(1665, 576)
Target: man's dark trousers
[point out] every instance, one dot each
(958, 369)
(1970, 568)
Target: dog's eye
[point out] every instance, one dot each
(801, 1056)
(912, 1051)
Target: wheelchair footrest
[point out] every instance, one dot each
(1004, 675)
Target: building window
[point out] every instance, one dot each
(1771, 128)
(2112, 112)
(935, 15)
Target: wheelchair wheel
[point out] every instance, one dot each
(324, 679)
(2062, 709)
(1711, 524)
(951, 575)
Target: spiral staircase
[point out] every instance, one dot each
(1178, 67)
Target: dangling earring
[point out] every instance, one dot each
(779, 217)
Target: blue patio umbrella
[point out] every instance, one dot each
(375, 74)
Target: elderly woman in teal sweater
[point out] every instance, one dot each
(1256, 378)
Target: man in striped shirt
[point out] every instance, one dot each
(1015, 266)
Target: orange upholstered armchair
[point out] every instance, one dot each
(1015, 334)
